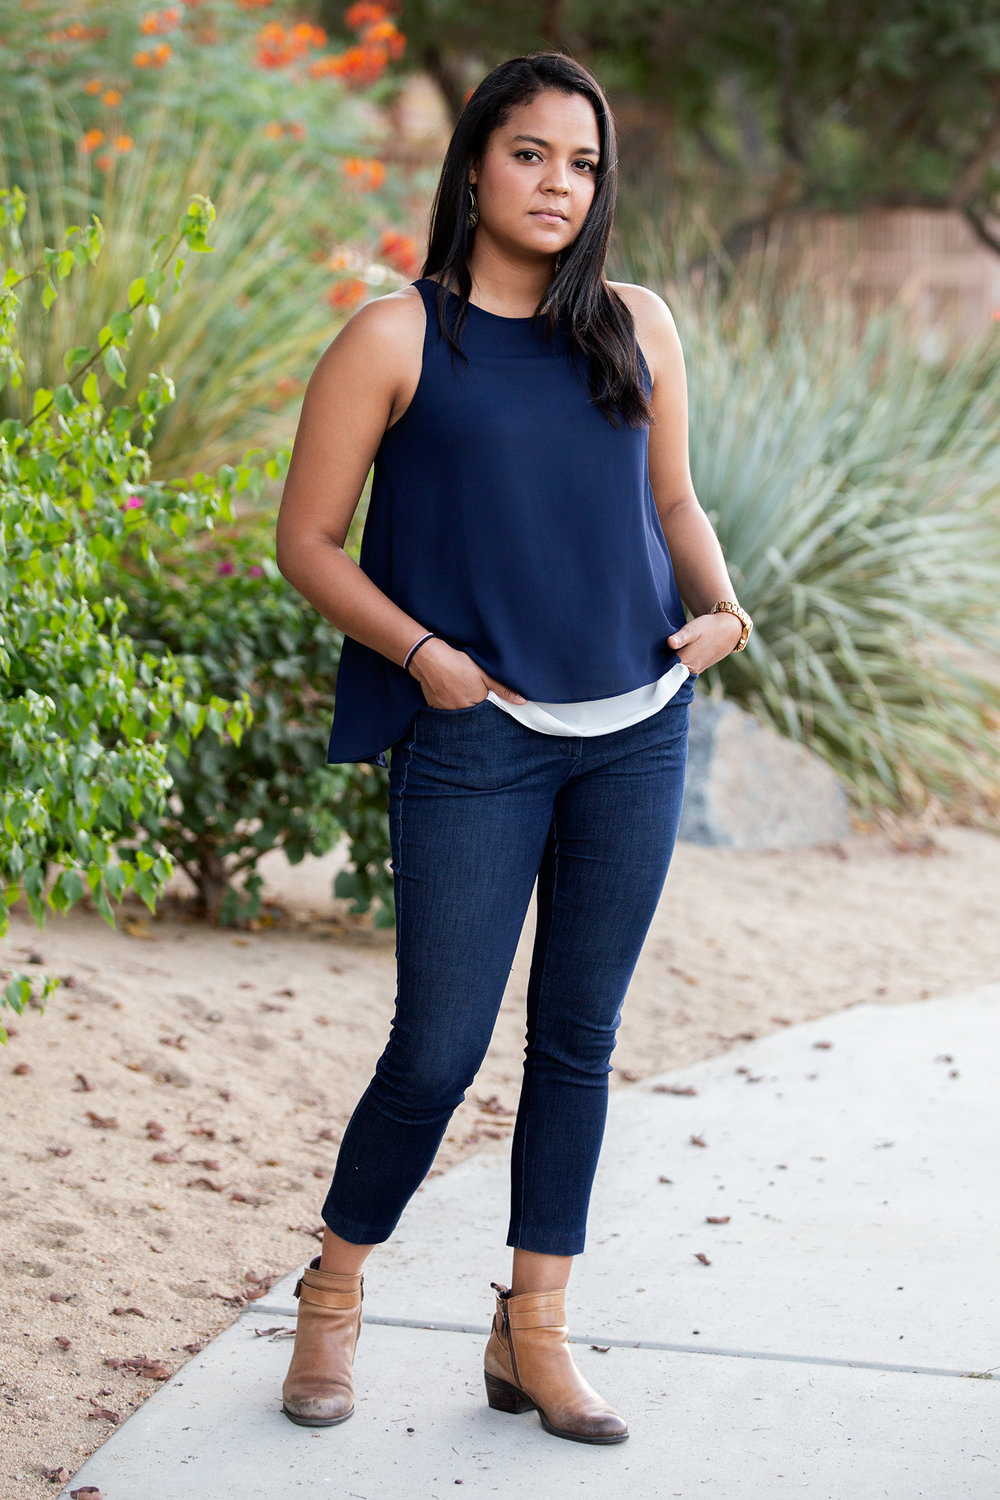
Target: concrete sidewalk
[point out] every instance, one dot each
(842, 1342)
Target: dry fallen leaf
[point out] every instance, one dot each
(166, 1157)
(823, 1045)
(21, 1067)
(82, 1085)
(99, 1122)
(89, 1491)
(102, 1411)
(674, 1088)
(62, 1474)
(123, 1312)
(155, 1131)
(665, 1179)
(703, 1258)
(317, 1233)
(194, 1348)
(60, 1150)
(63, 1341)
(697, 1140)
(215, 1187)
(600, 1348)
(153, 1369)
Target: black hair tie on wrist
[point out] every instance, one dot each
(409, 654)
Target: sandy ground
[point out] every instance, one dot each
(171, 1121)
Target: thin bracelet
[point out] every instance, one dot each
(406, 659)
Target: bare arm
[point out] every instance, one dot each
(699, 565)
(368, 373)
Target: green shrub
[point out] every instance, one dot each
(86, 721)
(221, 608)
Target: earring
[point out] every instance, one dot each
(558, 262)
(474, 210)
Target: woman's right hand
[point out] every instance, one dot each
(451, 679)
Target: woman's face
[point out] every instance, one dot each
(536, 178)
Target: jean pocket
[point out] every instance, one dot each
(467, 709)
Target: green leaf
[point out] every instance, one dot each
(77, 355)
(114, 366)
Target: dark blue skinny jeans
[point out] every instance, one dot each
(480, 806)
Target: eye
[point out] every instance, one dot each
(583, 162)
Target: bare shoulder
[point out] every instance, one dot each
(377, 352)
(655, 328)
(386, 320)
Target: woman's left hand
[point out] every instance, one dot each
(706, 639)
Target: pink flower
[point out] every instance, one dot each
(225, 569)
(255, 571)
(132, 502)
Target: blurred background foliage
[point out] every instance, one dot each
(852, 475)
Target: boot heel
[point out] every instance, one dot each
(504, 1397)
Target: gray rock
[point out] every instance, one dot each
(749, 787)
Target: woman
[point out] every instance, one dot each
(516, 638)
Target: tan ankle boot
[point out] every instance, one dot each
(318, 1390)
(529, 1364)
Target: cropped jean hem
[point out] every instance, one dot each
(355, 1233)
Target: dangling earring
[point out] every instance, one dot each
(474, 210)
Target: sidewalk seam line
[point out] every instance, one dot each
(605, 1341)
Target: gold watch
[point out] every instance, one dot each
(729, 607)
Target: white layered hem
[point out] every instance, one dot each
(596, 715)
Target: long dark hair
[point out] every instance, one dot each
(598, 323)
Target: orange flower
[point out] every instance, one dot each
(366, 173)
(277, 47)
(91, 139)
(361, 64)
(142, 59)
(124, 143)
(93, 86)
(102, 162)
(387, 34)
(162, 51)
(400, 250)
(364, 14)
(297, 130)
(344, 294)
(274, 130)
(254, 4)
(113, 96)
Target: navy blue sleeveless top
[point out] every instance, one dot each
(511, 518)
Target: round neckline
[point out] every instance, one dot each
(500, 317)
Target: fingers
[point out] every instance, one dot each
(683, 637)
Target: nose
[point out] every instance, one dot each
(557, 178)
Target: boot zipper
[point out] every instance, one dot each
(505, 1320)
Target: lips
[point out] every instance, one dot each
(549, 213)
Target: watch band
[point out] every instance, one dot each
(730, 607)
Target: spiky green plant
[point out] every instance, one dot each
(855, 488)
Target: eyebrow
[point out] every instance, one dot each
(537, 141)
